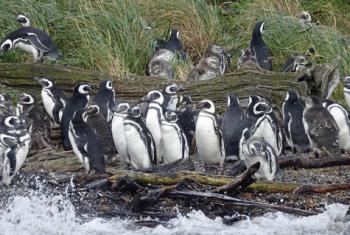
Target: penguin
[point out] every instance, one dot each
(139, 141)
(210, 144)
(85, 143)
(79, 100)
(54, 99)
(231, 126)
(39, 128)
(346, 90)
(304, 17)
(6, 107)
(213, 63)
(170, 96)
(320, 127)
(256, 149)
(153, 119)
(259, 48)
(292, 111)
(119, 114)
(268, 127)
(105, 99)
(186, 118)
(31, 40)
(23, 20)
(160, 65)
(247, 60)
(174, 142)
(95, 119)
(341, 117)
(8, 161)
(296, 63)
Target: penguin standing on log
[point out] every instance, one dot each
(105, 99)
(293, 123)
(119, 114)
(140, 144)
(210, 144)
(174, 142)
(341, 117)
(154, 117)
(85, 143)
(39, 129)
(259, 48)
(320, 127)
(231, 126)
(54, 99)
(33, 41)
(79, 100)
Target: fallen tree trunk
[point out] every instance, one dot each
(131, 87)
(302, 162)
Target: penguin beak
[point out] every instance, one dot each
(144, 98)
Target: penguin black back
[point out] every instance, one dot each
(105, 98)
(259, 48)
(78, 101)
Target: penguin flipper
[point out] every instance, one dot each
(12, 160)
(34, 40)
(56, 110)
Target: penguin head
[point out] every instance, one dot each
(155, 96)
(305, 17)
(207, 105)
(8, 140)
(45, 82)
(6, 45)
(11, 121)
(4, 97)
(92, 110)
(23, 20)
(25, 98)
(185, 99)
(259, 29)
(312, 101)
(171, 116)
(261, 107)
(122, 108)
(215, 49)
(252, 101)
(174, 34)
(292, 96)
(346, 82)
(134, 112)
(232, 100)
(82, 89)
(172, 89)
(106, 84)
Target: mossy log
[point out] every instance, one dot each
(272, 86)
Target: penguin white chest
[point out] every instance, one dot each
(136, 148)
(266, 131)
(73, 141)
(171, 143)
(118, 134)
(207, 140)
(28, 48)
(48, 102)
(347, 96)
(340, 117)
(153, 124)
(22, 152)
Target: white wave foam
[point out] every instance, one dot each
(35, 214)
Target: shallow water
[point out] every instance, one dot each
(37, 213)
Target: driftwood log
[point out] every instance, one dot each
(272, 86)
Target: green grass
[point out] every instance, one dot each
(113, 36)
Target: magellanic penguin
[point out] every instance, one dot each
(153, 119)
(304, 17)
(259, 48)
(173, 44)
(341, 117)
(210, 144)
(98, 123)
(231, 126)
(160, 65)
(31, 40)
(346, 90)
(105, 99)
(320, 127)
(139, 141)
(293, 109)
(8, 163)
(85, 143)
(119, 114)
(40, 124)
(174, 142)
(256, 149)
(268, 127)
(54, 99)
(23, 20)
(247, 60)
(296, 63)
(187, 120)
(79, 100)
(213, 63)
(6, 106)
(170, 96)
